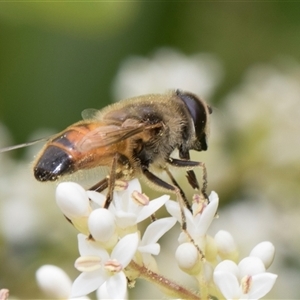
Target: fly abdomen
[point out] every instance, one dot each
(54, 162)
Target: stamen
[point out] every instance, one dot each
(140, 199)
(121, 185)
(113, 266)
(88, 263)
(199, 204)
(246, 284)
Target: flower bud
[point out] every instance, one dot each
(265, 251)
(101, 224)
(188, 259)
(226, 246)
(54, 282)
(72, 200)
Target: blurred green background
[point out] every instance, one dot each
(57, 59)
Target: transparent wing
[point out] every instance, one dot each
(89, 113)
(107, 135)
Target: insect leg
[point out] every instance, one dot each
(191, 176)
(111, 181)
(192, 179)
(100, 186)
(174, 189)
(186, 202)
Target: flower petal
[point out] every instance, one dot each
(87, 248)
(157, 229)
(261, 285)
(227, 284)
(134, 185)
(117, 286)
(213, 197)
(153, 206)
(173, 209)
(250, 266)
(125, 219)
(208, 214)
(228, 266)
(125, 249)
(150, 248)
(102, 292)
(96, 197)
(87, 282)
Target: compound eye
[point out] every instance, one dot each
(199, 111)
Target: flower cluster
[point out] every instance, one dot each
(109, 238)
(114, 253)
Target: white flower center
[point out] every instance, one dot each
(113, 266)
(246, 284)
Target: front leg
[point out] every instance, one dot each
(190, 175)
(189, 164)
(162, 185)
(186, 202)
(176, 190)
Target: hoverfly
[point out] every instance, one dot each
(134, 138)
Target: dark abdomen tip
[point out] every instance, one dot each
(53, 163)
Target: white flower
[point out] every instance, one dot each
(247, 280)
(72, 199)
(74, 202)
(97, 199)
(131, 206)
(265, 251)
(167, 69)
(197, 222)
(149, 246)
(98, 266)
(153, 233)
(54, 282)
(101, 223)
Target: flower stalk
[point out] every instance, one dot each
(167, 286)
